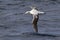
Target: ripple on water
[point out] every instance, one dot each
(38, 34)
(29, 34)
(11, 16)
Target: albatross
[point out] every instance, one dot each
(35, 13)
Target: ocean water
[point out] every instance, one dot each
(16, 25)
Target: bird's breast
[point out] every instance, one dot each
(34, 12)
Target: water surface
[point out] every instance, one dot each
(13, 21)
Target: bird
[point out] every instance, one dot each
(35, 13)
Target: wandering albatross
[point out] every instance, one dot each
(35, 13)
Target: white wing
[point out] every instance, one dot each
(41, 12)
(27, 12)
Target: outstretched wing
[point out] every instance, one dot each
(27, 12)
(41, 12)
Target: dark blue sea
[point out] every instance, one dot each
(16, 25)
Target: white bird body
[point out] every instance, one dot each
(35, 13)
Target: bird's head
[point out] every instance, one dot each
(32, 7)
